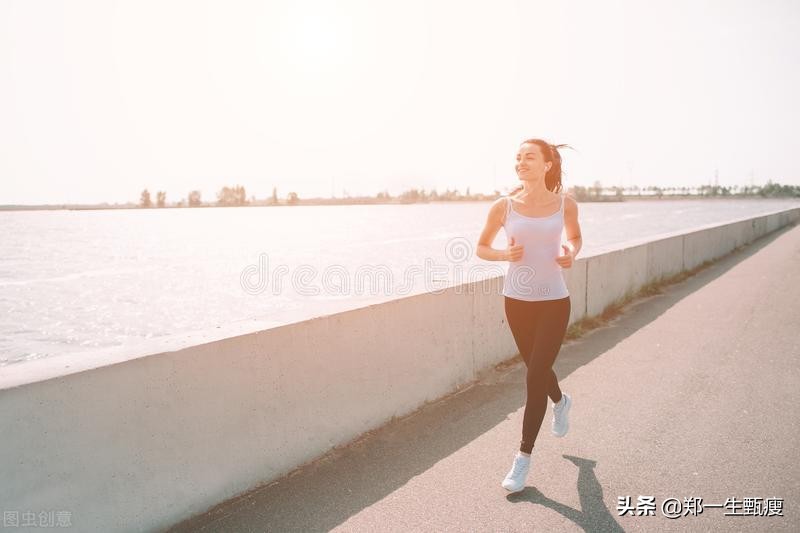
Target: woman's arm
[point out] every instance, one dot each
(493, 224)
(571, 226)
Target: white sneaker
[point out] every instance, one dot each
(561, 415)
(515, 479)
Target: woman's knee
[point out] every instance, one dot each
(540, 363)
(537, 378)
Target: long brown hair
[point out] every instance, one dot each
(552, 180)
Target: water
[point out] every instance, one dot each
(88, 281)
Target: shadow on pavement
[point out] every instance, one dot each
(593, 515)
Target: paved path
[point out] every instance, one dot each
(692, 393)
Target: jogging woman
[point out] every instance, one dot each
(537, 302)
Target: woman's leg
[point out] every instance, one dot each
(552, 317)
(553, 390)
(521, 317)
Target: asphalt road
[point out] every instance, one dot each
(689, 394)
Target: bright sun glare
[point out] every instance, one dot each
(316, 42)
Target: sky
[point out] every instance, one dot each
(101, 99)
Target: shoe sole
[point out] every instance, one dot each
(566, 416)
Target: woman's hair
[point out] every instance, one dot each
(552, 180)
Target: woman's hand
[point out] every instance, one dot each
(565, 259)
(513, 251)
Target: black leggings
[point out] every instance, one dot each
(538, 328)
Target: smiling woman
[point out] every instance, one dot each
(536, 298)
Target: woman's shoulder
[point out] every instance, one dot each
(569, 200)
(499, 208)
(501, 202)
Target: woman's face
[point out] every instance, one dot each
(530, 162)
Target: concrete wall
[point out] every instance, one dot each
(141, 443)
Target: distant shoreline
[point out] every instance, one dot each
(375, 201)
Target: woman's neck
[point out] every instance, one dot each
(535, 193)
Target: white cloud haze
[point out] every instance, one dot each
(100, 99)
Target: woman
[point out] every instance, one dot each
(537, 302)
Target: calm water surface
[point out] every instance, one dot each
(76, 281)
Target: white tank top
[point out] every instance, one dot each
(537, 275)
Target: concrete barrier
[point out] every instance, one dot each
(140, 443)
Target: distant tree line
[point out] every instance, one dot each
(769, 190)
(236, 195)
(227, 196)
